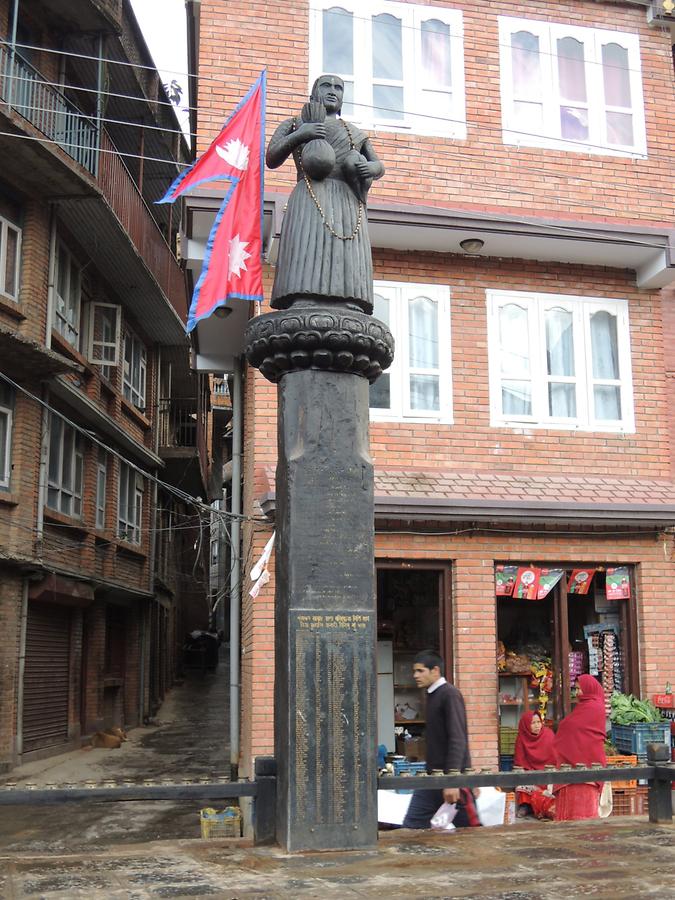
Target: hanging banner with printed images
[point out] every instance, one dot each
(505, 580)
(580, 581)
(548, 578)
(617, 584)
(527, 583)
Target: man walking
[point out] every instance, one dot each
(447, 745)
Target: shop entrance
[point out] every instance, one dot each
(554, 624)
(413, 614)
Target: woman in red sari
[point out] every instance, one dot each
(581, 739)
(534, 750)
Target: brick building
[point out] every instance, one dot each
(98, 575)
(523, 252)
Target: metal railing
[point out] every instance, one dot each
(28, 93)
(178, 419)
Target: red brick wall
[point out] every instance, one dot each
(238, 39)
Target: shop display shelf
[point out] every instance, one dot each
(634, 738)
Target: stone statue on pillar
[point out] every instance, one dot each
(326, 216)
(323, 347)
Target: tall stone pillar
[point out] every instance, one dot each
(323, 358)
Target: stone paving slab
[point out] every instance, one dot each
(610, 860)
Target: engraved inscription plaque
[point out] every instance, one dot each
(331, 735)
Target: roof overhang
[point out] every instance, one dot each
(648, 251)
(527, 513)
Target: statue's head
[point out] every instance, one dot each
(329, 89)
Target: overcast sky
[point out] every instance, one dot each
(163, 24)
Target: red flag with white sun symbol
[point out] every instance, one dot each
(232, 267)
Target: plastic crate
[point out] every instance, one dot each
(223, 824)
(634, 738)
(624, 803)
(404, 767)
(623, 761)
(510, 808)
(507, 740)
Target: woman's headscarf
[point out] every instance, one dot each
(581, 735)
(533, 751)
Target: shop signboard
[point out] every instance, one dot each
(548, 578)
(527, 583)
(505, 579)
(580, 581)
(617, 584)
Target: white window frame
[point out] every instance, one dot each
(134, 393)
(129, 504)
(5, 226)
(63, 494)
(581, 309)
(96, 348)
(593, 39)
(101, 490)
(411, 17)
(6, 413)
(399, 295)
(61, 322)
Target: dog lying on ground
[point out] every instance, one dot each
(111, 738)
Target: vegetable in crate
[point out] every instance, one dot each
(628, 710)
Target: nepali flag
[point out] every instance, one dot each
(232, 267)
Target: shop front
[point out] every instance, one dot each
(554, 623)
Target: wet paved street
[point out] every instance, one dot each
(188, 741)
(624, 858)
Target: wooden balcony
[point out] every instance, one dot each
(27, 93)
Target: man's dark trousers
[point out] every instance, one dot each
(424, 805)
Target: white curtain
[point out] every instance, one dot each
(605, 352)
(423, 353)
(560, 362)
(514, 345)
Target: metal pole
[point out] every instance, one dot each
(22, 669)
(235, 573)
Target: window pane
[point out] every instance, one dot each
(387, 102)
(381, 309)
(348, 100)
(423, 331)
(615, 75)
(571, 70)
(4, 449)
(380, 392)
(604, 345)
(424, 392)
(562, 401)
(620, 129)
(559, 342)
(528, 117)
(10, 262)
(516, 398)
(607, 399)
(62, 277)
(387, 53)
(338, 41)
(55, 427)
(573, 123)
(67, 462)
(437, 103)
(526, 65)
(514, 340)
(436, 53)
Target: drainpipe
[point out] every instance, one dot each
(12, 52)
(235, 571)
(42, 476)
(51, 278)
(152, 555)
(22, 668)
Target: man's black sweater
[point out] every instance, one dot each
(446, 734)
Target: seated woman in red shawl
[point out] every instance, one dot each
(534, 750)
(581, 739)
